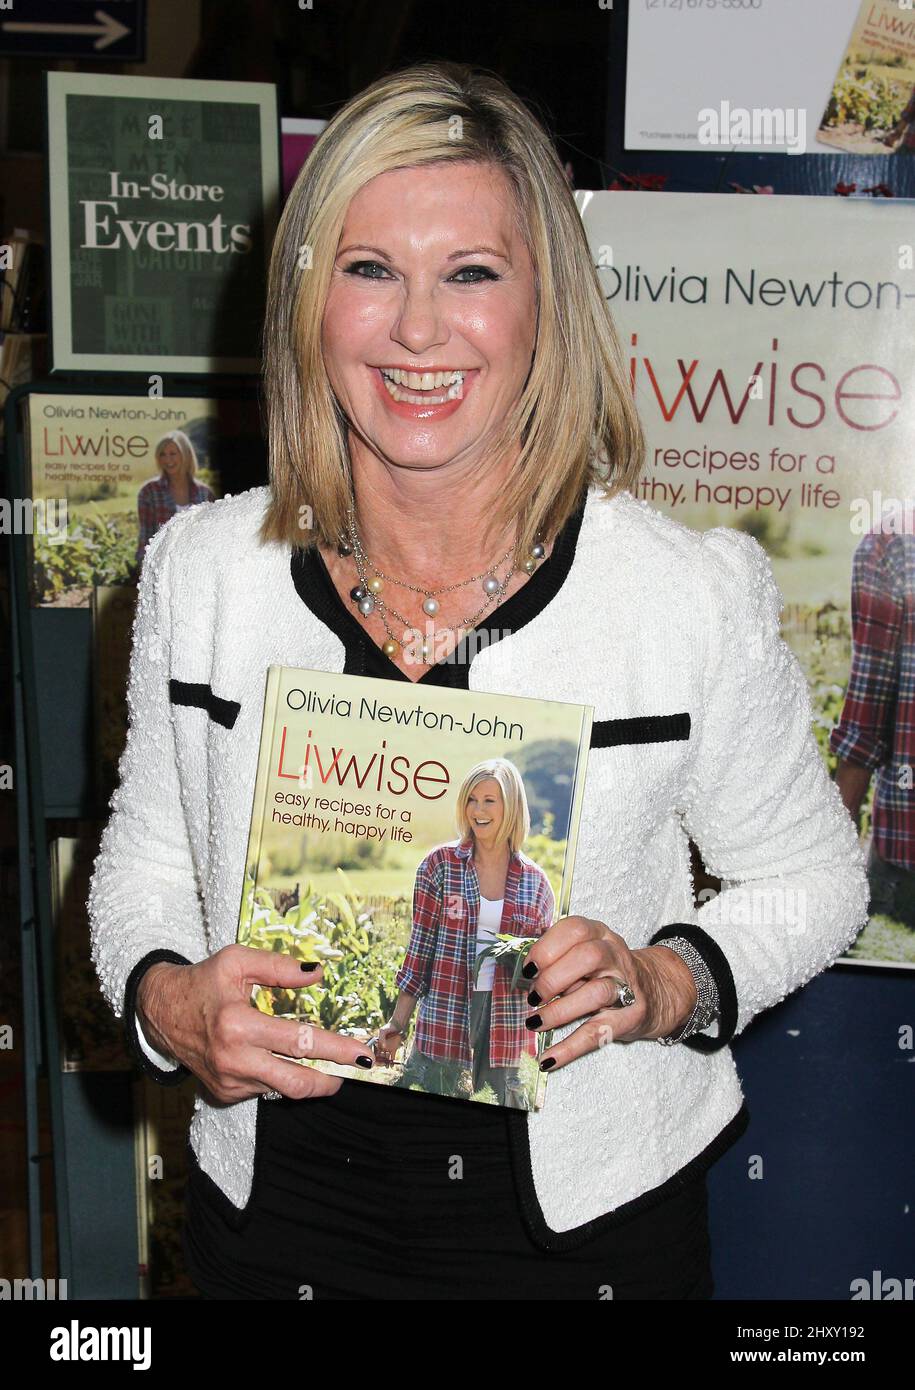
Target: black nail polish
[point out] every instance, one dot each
(529, 970)
(533, 998)
(363, 1061)
(547, 1063)
(533, 1022)
(309, 965)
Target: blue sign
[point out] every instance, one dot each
(112, 29)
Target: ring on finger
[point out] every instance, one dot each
(624, 995)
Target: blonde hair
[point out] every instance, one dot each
(575, 420)
(516, 816)
(185, 448)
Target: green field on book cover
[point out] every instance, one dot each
(416, 841)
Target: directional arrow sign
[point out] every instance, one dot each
(72, 28)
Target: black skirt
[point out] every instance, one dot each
(374, 1193)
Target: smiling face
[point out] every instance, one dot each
(430, 318)
(485, 809)
(170, 460)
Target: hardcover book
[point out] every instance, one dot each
(871, 109)
(415, 841)
(106, 472)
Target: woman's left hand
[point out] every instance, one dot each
(578, 963)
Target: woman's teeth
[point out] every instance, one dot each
(428, 383)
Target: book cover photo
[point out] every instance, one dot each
(871, 109)
(106, 472)
(416, 841)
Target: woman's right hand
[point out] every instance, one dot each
(202, 1015)
(386, 1045)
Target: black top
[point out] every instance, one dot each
(365, 658)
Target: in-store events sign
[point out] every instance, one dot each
(163, 198)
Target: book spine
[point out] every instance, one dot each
(581, 763)
(259, 805)
(568, 865)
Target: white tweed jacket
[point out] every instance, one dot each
(653, 621)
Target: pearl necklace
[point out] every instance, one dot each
(368, 598)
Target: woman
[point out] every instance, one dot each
(175, 489)
(448, 408)
(465, 894)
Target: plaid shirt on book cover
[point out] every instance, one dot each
(438, 967)
(877, 726)
(156, 504)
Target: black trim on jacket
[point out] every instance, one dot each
(546, 1238)
(200, 695)
(639, 728)
(717, 963)
(146, 1064)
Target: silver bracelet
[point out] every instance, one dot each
(707, 1003)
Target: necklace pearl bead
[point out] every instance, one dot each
(363, 594)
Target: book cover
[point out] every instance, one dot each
(162, 196)
(106, 472)
(416, 841)
(113, 608)
(871, 109)
(91, 1038)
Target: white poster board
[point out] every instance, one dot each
(689, 56)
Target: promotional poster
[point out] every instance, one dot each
(731, 58)
(163, 198)
(768, 345)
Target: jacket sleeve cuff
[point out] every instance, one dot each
(718, 966)
(143, 1053)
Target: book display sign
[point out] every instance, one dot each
(163, 196)
(771, 364)
(724, 75)
(416, 844)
